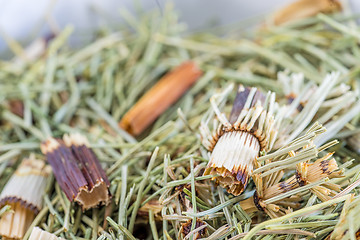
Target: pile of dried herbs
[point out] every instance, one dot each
(156, 179)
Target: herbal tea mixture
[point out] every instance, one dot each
(151, 132)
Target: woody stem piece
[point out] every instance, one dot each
(160, 97)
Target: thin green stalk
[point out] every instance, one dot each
(141, 188)
(193, 197)
(120, 228)
(297, 213)
(153, 225)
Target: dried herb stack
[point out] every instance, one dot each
(90, 91)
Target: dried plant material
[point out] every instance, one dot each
(354, 142)
(269, 189)
(299, 92)
(200, 230)
(153, 205)
(86, 88)
(73, 162)
(160, 97)
(27, 185)
(14, 224)
(235, 144)
(24, 193)
(348, 226)
(33, 51)
(308, 98)
(183, 191)
(234, 172)
(200, 227)
(39, 234)
(307, 173)
(326, 166)
(98, 183)
(328, 103)
(266, 189)
(185, 203)
(16, 106)
(305, 8)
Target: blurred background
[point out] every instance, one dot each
(25, 20)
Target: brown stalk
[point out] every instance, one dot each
(160, 97)
(77, 170)
(305, 8)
